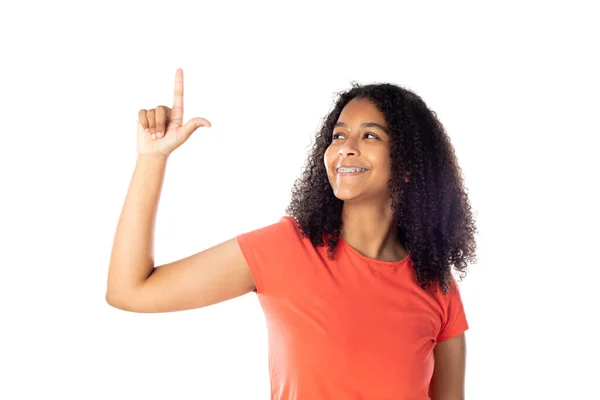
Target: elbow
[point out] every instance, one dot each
(120, 296)
(117, 302)
(112, 301)
(126, 303)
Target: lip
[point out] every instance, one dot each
(348, 166)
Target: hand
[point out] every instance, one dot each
(161, 130)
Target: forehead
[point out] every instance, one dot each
(361, 110)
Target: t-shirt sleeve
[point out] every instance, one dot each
(267, 252)
(455, 321)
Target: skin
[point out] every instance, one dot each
(368, 218)
(367, 214)
(448, 380)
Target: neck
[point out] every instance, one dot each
(371, 231)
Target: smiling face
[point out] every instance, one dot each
(359, 139)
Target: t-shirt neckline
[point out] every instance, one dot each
(352, 250)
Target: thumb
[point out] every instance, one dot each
(192, 125)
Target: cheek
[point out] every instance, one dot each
(386, 160)
(384, 165)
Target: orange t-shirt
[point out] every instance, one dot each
(351, 328)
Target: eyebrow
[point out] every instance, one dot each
(365, 125)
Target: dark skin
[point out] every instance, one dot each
(367, 202)
(448, 380)
(367, 217)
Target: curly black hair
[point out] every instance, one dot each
(434, 216)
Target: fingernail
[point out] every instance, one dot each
(154, 136)
(159, 134)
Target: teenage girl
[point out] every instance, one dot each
(355, 281)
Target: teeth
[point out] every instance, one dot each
(352, 169)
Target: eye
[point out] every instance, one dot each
(368, 133)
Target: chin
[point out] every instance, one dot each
(345, 196)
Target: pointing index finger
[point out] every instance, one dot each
(177, 110)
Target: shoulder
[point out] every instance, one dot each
(270, 252)
(453, 312)
(291, 221)
(285, 230)
(453, 290)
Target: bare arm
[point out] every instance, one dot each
(208, 277)
(132, 256)
(448, 380)
(205, 278)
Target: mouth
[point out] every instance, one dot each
(351, 171)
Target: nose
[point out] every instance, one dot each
(348, 148)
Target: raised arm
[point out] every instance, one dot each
(134, 283)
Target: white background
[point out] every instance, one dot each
(515, 85)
